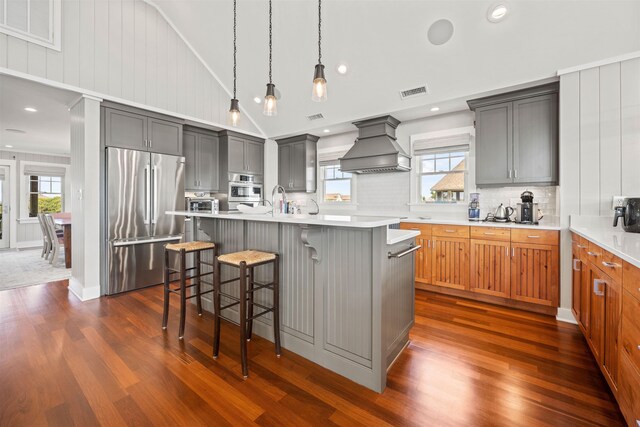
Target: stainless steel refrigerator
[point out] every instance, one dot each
(141, 186)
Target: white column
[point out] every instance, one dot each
(85, 201)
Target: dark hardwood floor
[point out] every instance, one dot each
(108, 362)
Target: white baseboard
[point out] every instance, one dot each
(83, 294)
(565, 315)
(29, 244)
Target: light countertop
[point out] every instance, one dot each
(397, 236)
(600, 231)
(545, 224)
(355, 221)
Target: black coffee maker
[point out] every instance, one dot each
(527, 211)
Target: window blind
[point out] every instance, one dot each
(42, 170)
(331, 158)
(444, 144)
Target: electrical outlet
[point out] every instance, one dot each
(617, 201)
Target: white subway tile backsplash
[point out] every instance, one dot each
(490, 198)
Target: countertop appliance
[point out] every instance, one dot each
(503, 213)
(629, 211)
(203, 204)
(243, 189)
(527, 211)
(141, 186)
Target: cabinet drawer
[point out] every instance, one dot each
(461, 231)
(629, 390)
(631, 279)
(594, 253)
(584, 248)
(491, 233)
(539, 237)
(424, 229)
(611, 265)
(631, 328)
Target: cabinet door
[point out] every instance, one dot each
(450, 262)
(298, 167)
(535, 140)
(612, 316)
(597, 314)
(164, 137)
(208, 162)
(535, 273)
(191, 162)
(585, 298)
(576, 284)
(283, 166)
(236, 155)
(490, 268)
(125, 130)
(254, 157)
(494, 144)
(423, 260)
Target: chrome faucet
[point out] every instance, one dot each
(273, 197)
(317, 208)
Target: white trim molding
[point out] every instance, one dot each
(565, 315)
(13, 201)
(619, 58)
(81, 292)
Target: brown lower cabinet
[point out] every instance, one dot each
(495, 264)
(608, 314)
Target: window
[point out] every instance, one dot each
(442, 177)
(36, 21)
(45, 194)
(336, 185)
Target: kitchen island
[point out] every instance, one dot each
(347, 290)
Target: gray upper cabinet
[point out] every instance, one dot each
(201, 161)
(131, 128)
(517, 137)
(240, 154)
(297, 163)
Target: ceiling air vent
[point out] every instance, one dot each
(315, 117)
(416, 91)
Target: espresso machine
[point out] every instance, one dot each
(527, 210)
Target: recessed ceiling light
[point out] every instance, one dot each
(257, 100)
(497, 12)
(326, 130)
(434, 109)
(15, 130)
(30, 109)
(342, 69)
(9, 146)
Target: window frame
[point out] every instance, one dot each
(55, 25)
(464, 172)
(24, 190)
(323, 188)
(30, 193)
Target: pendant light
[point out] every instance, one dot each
(234, 111)
(270, 107)
(319, 92)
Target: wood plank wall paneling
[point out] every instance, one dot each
(630, 126)
(125, 49)
(589, 141)
(610, 147)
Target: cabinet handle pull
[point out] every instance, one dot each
(533, 237)
(449, 231)
(596, 287)
(575, 264)
(609, 264)
(513, 252)
(582, 247)
(490, 234)
(592, 253)
(515, 173)
(150, 144)
(509, 173)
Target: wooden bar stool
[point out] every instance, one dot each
(246, 261)
(182, 249)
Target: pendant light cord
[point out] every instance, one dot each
(319, 31)
(270, 37)
(234, 49)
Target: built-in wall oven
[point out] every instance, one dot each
(244, 190)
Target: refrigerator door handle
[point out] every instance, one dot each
(120, 243)
(154, 173)
(147, 195)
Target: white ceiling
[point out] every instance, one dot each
(47, 130)
(385, 44)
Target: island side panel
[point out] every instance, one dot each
(347, 264)
(262, 236)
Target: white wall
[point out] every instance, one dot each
(599, 145)
(124, 50)
(28, 231)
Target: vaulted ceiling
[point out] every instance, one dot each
(385, 45)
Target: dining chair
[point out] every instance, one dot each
(46, 241)
(55, 240)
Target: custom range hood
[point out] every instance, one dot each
(376, 149)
